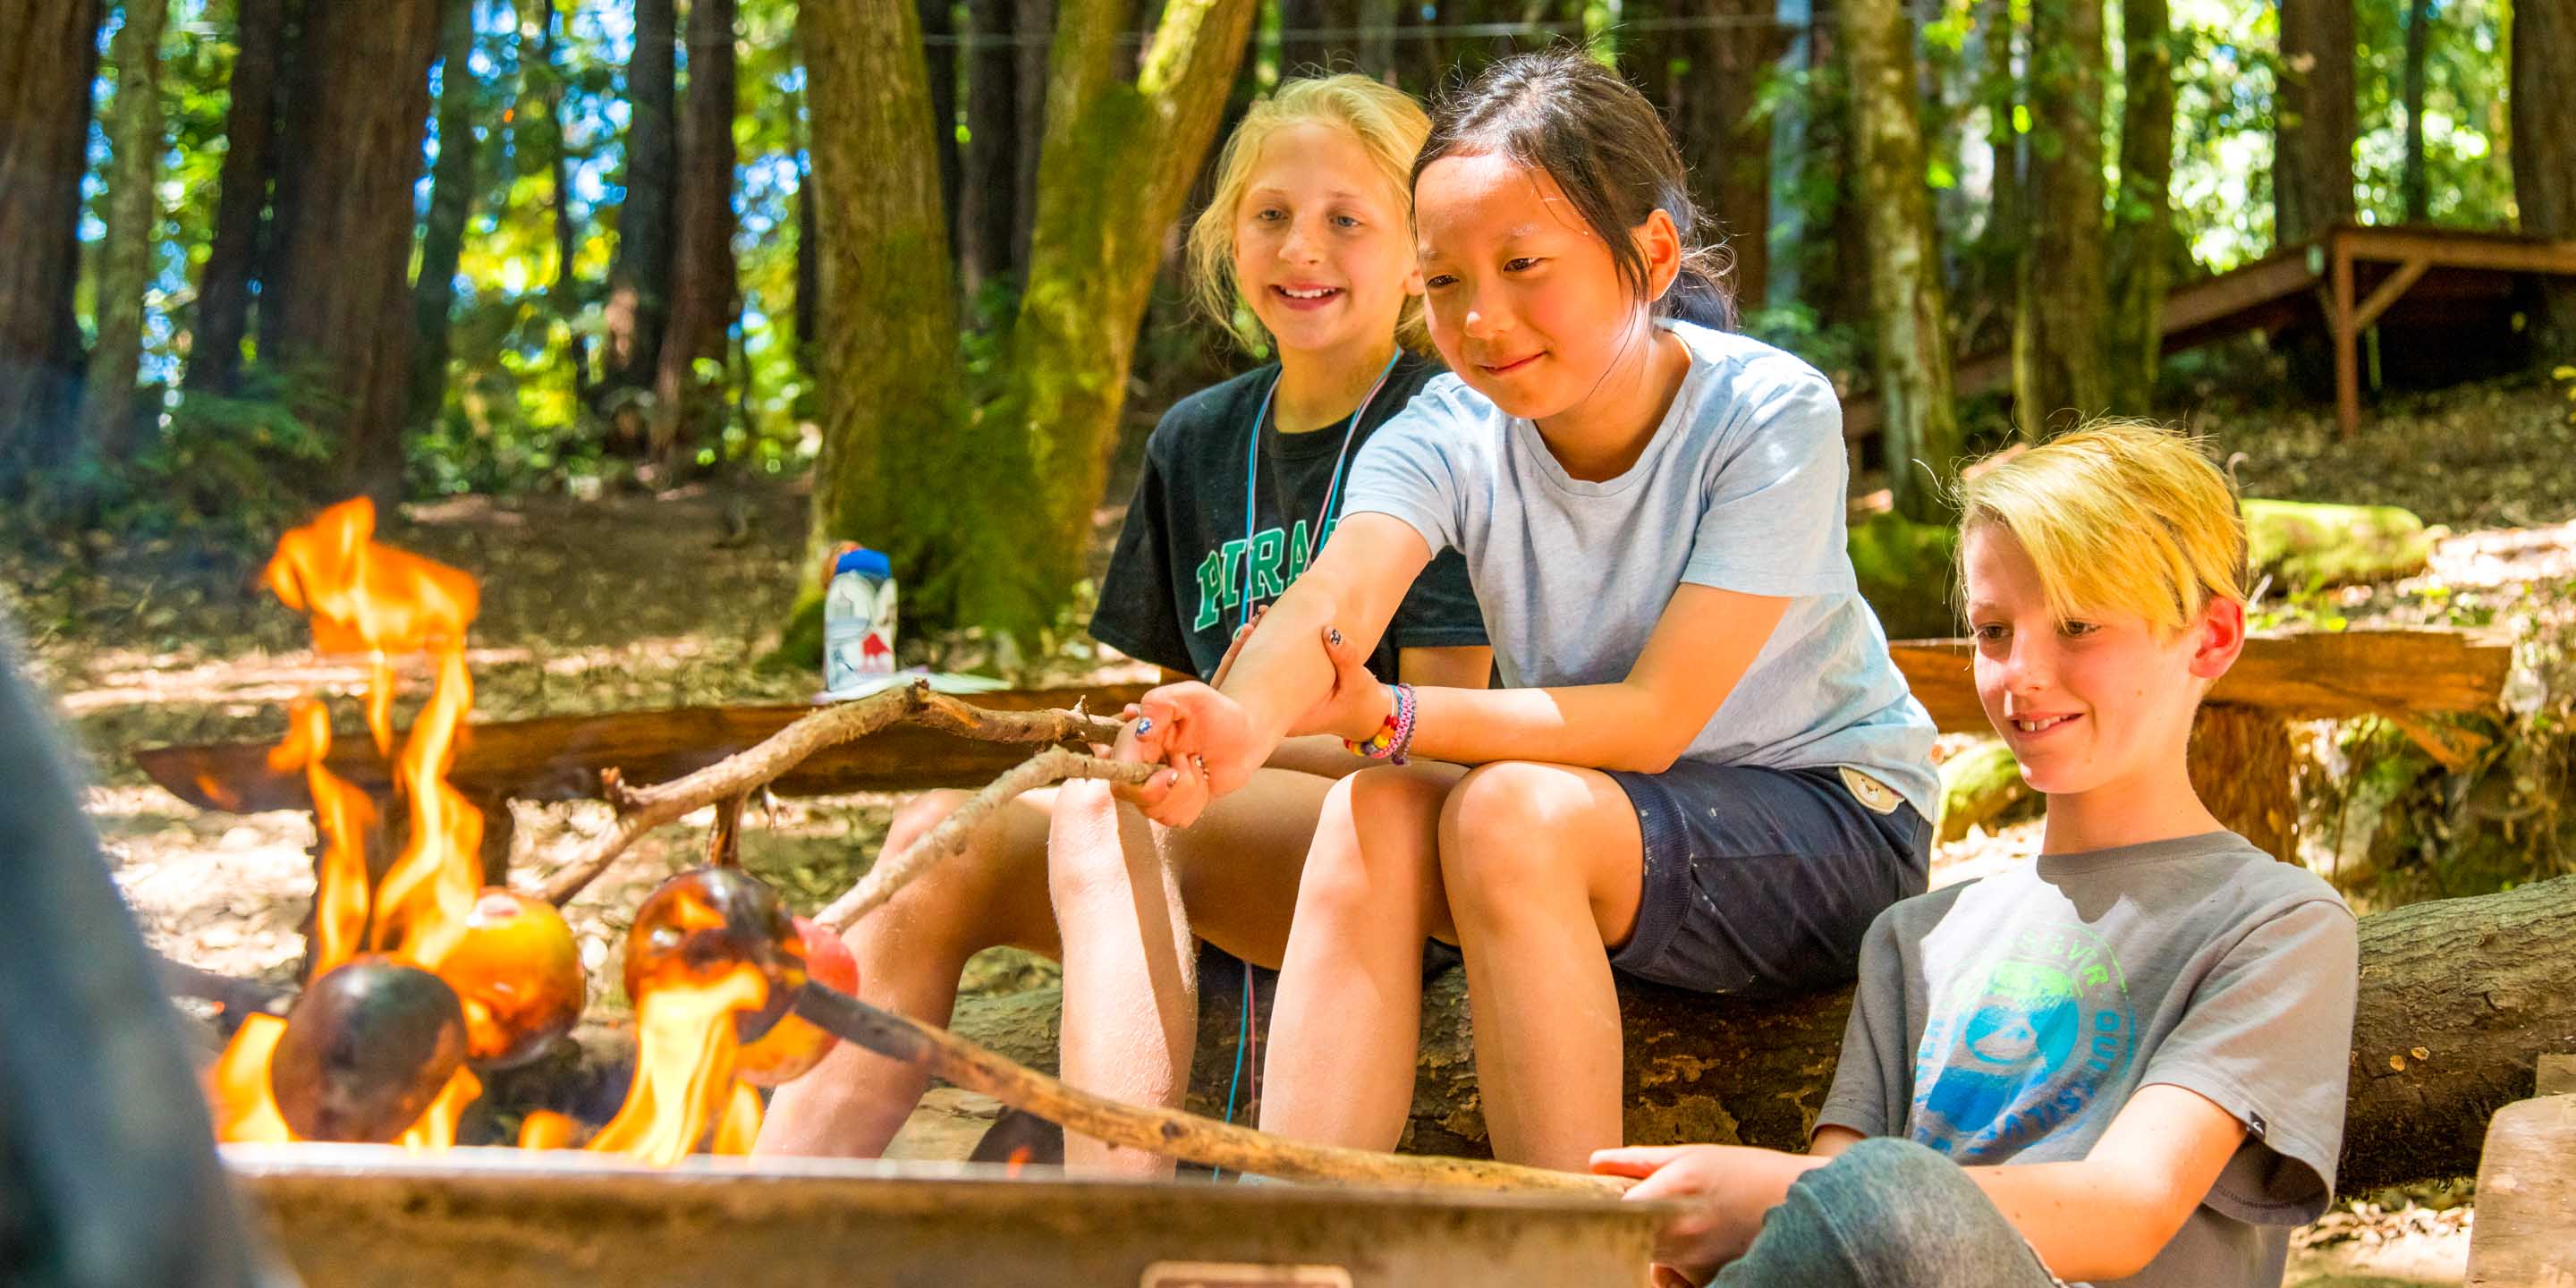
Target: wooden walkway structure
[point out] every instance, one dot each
(2412, 282)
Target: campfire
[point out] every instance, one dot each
(420, 981)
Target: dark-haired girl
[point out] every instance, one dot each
(1705, 770)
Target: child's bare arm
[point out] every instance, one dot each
(1704, 643)
(2107, 1216)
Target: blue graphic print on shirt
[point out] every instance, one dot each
(2023, 1046)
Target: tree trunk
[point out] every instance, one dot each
(241, 204)
(452, 180)
(1036, 19)
(1373, 50)
(2007, 215)
(2474, 984)
(639, 283)
(1709, 83)
(1917, 410)
(1785, 278)
(2544, 148)
(134, 134)
(939, 59)
(2142, 240)
(335, 307)
(989, 191)
(2057, 333)
(1118, 159)
(2411, 185)
(702, 276)
(45, 72)
(885, 338)
(2314, 121)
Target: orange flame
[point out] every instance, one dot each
(436, 1126)
(684, 1052)
(741, 1123)
(369, 598)
(546, 1129)
(423, 902)
(343, 815)
(245, 1109)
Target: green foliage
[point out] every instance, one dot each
(224, 474)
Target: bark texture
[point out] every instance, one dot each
(452, 180)
(336, 307)
(45, 72)
(1915, 398)
(2058, 371)
(241, 202)
(134, 139)
(989, 189)
(2543, 101)
(2474, 984)
(2142, 232)
(685, 412)
(639, 281)
(2314, 120)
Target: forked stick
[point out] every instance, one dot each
(640, 810)
(1169, 1132)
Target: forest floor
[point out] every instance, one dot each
(632, 601)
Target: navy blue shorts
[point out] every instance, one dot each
(1761, 882)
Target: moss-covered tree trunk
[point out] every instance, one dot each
(2544, 146)
(685, 409)
(2314, 120)
(335, 304)
(452, 180)
(45, 70)
(2142, 231)
(2058, 372)
(1116, 163)
(134, 140)
(885, 332)
(639, 282)
(1918, 411)
(241, 201)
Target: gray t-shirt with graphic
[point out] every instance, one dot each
(1741, 488)
(2010, 1019)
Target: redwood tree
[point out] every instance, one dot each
(1917, 407)
(988, 508)
(451, 199)
(46, 66)
(2057, 331)
(2544, 145)
(335, 307)
(638, 305)
(135, 135)
(2142, 242)
(241, 202)
(702, 270)
(2314, 120)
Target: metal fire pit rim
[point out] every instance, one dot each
(468, 1164)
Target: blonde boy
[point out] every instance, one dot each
(2124, 1061)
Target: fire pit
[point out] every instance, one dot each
(498, 1218)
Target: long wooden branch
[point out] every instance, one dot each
(1048, 767)
(640, 810)
(1170, 1132)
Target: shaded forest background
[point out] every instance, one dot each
(267, 253)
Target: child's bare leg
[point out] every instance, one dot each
(910, 952)
(1130, 987)
(1349, 1013)
(1544, 865)
(1130, 998)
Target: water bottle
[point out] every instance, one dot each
(858, 620)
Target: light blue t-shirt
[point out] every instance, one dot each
(1741, 488)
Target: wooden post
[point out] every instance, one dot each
(2341, 323)
(2526, 1231)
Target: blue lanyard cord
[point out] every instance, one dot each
(1332, 491)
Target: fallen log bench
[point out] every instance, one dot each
(2242, 758)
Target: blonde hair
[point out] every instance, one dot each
(2120, 515)
(1388, 124)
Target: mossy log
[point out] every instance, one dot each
(2307, 546)
(2458, 998)
(1978, 786)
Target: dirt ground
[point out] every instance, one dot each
(627, 602)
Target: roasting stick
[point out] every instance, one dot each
(1169, 1132)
